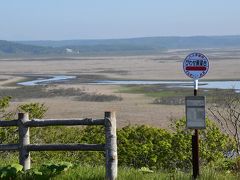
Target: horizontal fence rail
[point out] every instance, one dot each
(9, 147)
(8, 123)
(63, 122)
(54, 147)
(65, 147)
(24, 147)
(54, 122)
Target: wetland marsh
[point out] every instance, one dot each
(137, 102)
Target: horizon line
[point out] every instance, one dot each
(128, 38)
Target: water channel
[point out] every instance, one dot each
(204, 84)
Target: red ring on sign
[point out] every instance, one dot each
(196, 68)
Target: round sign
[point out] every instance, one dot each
(195, 65)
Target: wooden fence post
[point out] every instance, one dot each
(111, 146)
(24, 139)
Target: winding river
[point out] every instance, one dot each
(43, 81)
(204, 84)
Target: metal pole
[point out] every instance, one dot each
(195, 143)
(195, 86)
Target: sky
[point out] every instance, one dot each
(107, 19)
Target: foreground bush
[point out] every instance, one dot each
(214, 144)
(158, 148)
(138, 146)
(141, 146)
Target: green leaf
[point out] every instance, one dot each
(18, 167)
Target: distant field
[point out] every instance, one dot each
(133, 108)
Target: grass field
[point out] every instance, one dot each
(87, 172)
(126, 173)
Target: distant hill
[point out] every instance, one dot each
(11, 49)
(149, 42)
(132, 46)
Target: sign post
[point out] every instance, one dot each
(195, 65)
(195, 112)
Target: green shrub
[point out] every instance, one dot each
(4, 104)
(142, 146)
(10, 171)
(214, 144)
(35, 110)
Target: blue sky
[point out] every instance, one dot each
(104, 19)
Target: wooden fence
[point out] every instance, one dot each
(24, 147)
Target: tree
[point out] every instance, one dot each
(227, 113)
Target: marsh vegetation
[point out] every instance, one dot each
(28, 92)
